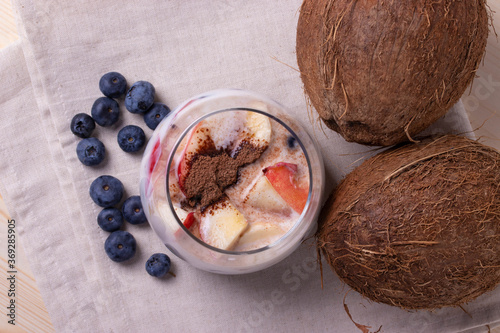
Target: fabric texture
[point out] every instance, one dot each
(184, 48)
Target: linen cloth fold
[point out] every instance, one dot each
(183, 48)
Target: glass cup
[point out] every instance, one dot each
(158, 159)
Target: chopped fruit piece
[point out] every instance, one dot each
(181, 213)
(187, 218)
(282, 178)
(221, 225)
(199, 141)
(259, 235)
(291, 142)
(190, 219)
(259, 128)
(257, 134)
(263, 196)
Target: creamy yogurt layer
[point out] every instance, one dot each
(240, 180)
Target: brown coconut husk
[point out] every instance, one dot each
(418, 226)
(379, 72)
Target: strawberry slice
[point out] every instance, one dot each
(190, 219)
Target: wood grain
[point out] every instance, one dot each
(482, 102)
(31, 314)
(8, 31)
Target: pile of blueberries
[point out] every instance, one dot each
(107, 191)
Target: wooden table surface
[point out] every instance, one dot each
(482, 103)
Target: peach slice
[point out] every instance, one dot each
(282, 178)
(221, 224)
(263, 196)
(198, 141)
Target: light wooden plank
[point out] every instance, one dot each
(8, 31)
(31, 314)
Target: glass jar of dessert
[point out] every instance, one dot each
(231, 183)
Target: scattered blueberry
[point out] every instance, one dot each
(132, 210)
(156, 114)
(110, 219)
(113, 84)
(140, 97)
(291, 142)
(131, 138)
(106, 191)
(105, 111)
(90, 151)
(120, 246)
(82, 125)
(158, 265)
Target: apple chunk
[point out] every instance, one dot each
(198, 142)
(188, 219)
(257, 133)
(263, 196)
(282, 177)
(259, 129)
(259, 235)
(221, 224)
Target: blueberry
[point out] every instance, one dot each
(90, 151)
(156, 114)
(158, 265)
(132, 210)
(131, 138)
(110, 219)
(113, 84)
(140, 97)
(106, 191)
(291, 142)
(105, 111)
(120, 246)
(82, 125)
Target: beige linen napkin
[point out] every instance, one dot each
(183, 48)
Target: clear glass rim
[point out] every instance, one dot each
(297, 222)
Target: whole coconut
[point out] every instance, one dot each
(379, 72)
(418, 226)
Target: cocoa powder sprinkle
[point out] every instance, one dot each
(211, 173)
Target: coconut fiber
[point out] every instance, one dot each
(418, 226)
